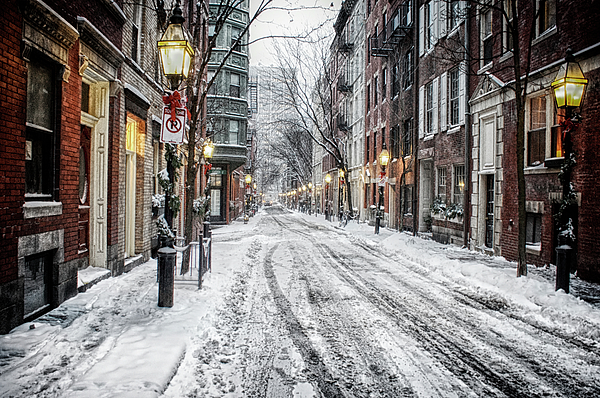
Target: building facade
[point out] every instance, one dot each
(227, 108)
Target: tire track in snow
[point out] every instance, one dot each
(310, 355)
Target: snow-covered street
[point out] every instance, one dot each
(297, 307)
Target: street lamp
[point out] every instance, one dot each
(175, 49)
(341, 174)
(384, 158)
(327, 181)
(569, 87)
(176, 54)
(310, 198)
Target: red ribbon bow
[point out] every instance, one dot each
(173, 101)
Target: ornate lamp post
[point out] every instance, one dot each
(310, 198)
(176, 54)
(327, 181)
(569, 88)
(248, 180)
(341, 175)
(384, 158)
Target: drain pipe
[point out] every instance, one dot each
(468, 132)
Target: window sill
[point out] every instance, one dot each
(507, 55)
(34, 209)
(485, 68)
(544, 35)
(536, 250)
(541, 169)
(453, 129)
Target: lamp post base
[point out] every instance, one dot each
(563, 275)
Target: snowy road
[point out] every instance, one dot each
(320, 312)
(295, 307)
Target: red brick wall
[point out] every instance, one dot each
(13, 85)
(586, 142)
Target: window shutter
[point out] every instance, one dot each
(421, 111)
(443, 18)
(422, 23)
(435, 12)
(462, 97)
(443, 106)
(435, 105)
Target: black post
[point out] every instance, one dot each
(378, 211)
(564, 249)
(327, 202)
(166, 276)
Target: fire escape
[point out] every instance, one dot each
(397, 28)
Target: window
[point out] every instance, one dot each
(407, 199)
(441, 183)
(486, 36)
(368, 98)
(396, 142)
(407, 137)
(429, 108)
(533, 235)
(136, 33)
(508, 43)
(41, 137)
(459, 184)
(454, 95)
(234, 86)
(234, 129)
(213, 88)
(374, 146)
(542, 128)
(383, 82)
(375, 88)
(235, 33)
(429, 25)
(546, 19)
(368, 151)
(536, 136)
(453, 14)
(407, 69)
(395, 80)
(405, 13)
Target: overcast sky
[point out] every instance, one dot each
(278, 22)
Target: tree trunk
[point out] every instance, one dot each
(521, 197)
(190, 183)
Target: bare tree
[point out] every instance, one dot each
(307, 89)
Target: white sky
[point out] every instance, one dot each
(278, 22)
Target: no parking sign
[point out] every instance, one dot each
(173, 127)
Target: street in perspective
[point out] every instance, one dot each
(303, 199)
(296, 306)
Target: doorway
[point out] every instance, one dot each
(489, 211)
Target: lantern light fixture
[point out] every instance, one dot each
(384, 156)
(175, 49)
(327, 178)
(569, 84)
(208, 150)
(248, 179)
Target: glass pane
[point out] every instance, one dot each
(40, 92)
(538, 113)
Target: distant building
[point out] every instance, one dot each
(227, 111)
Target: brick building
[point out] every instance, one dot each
(493, 105)
(59, 68)
(442, 96)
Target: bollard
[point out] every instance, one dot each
(563, 261)
(166, 276)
